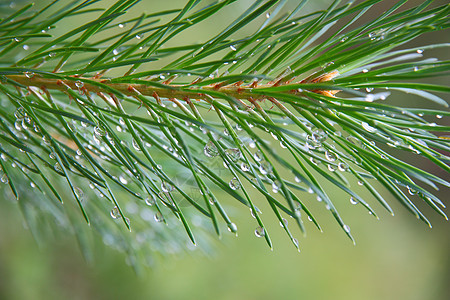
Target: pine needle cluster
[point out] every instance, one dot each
(123, 120)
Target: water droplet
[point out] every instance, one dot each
(232, 227)
(297, 179)
(245, 167)
(439, 116)
(353, 201)
(295, 241)
(210, 150)
(344, 39)
(121, 25)
(135, 145)
(318, 136)
(416, 69)
(331, 168)
(79, 192)
(79, 84)
(314, 161)
(46, 140)
(18, 124)
(26, 123)
(52, 155)
(283, 223)
(234, 184)
(420, 51)
(26, 47)
(99, 132)
(258, 156)
(29, 74)
(330, 156)
(158, 217)
(265, 167)
(57, 167)
(232, 47)
(365, 70)
(115, 212)
(123, 180)
(276, 185)
(150, 201)
(369, 89)
(233, 154)
(20, 113)
(4, 179)
(260, 232)
(360, 182)
(411, 191)
(139, 36)
(267, 15)
(166, 187)
(346, 228)
(354, 141)
(367, 127)
(342, 167)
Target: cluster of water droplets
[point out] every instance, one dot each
(315, 139)
(377, 35)
(23, 121)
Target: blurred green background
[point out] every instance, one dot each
(394, 258)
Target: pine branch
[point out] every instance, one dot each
(163, 133)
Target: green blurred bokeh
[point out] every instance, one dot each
(395, 258)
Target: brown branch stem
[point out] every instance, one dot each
(130, 89)
(167, 91)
